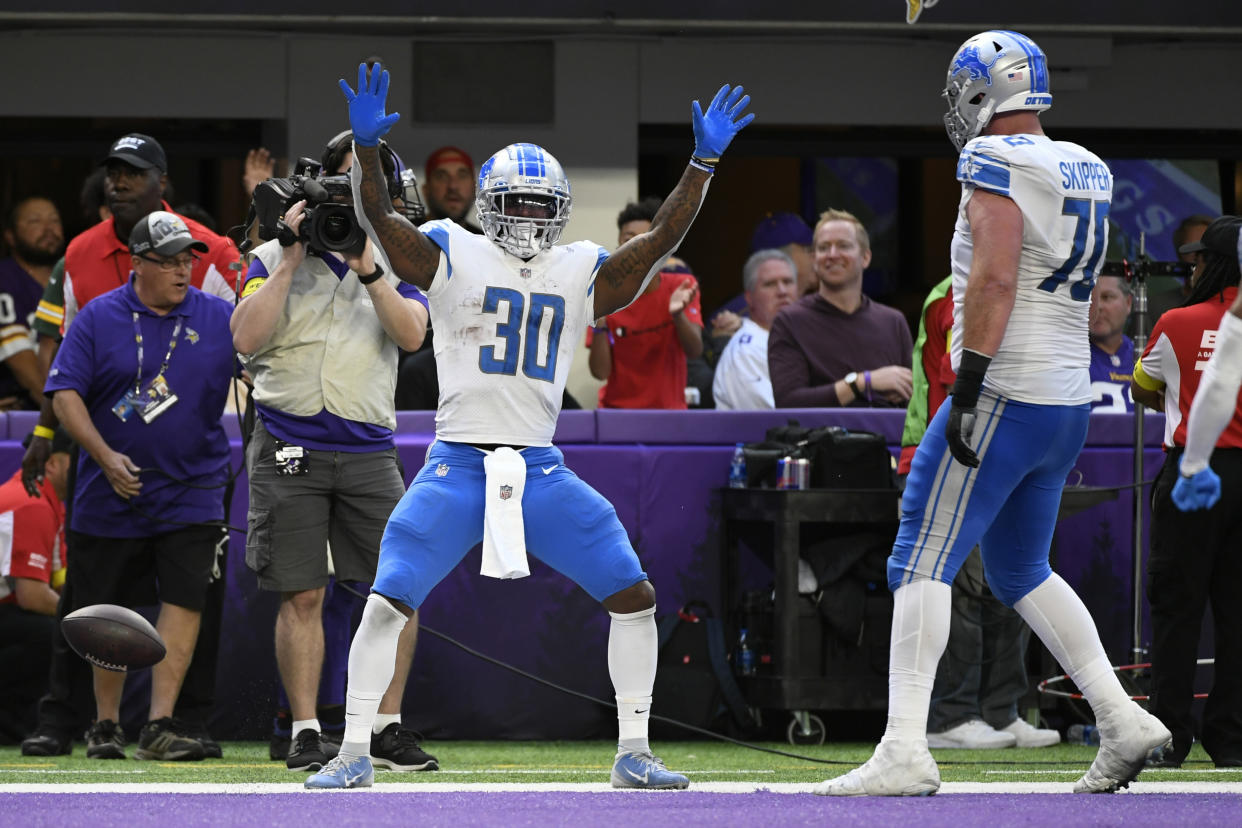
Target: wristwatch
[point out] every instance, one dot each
(851, 379)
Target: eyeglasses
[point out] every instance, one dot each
(169, 265)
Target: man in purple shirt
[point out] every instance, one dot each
(1112, 352)
(836, 347)
(140, 383)
(36, 240)
(319, 331)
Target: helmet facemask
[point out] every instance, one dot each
(523, 199)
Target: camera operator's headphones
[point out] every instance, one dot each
(334, 153)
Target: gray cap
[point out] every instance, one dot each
(162, 233)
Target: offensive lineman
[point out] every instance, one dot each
(511, 309)
(1031, 231)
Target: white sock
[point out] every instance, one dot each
(383, 720)
(632, 645)
(1057, 615)
(372, 661)
(921, 612)
(304, 724)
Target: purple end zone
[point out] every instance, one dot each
(654, 808)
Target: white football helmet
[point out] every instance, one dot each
(523, 199)
(993, 72)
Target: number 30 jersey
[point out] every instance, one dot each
(505, 334)
(1064, 193)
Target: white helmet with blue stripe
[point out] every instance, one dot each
(993, 72)
(523, 199)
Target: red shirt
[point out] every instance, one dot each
(1182, 342)
(96, 262)
(648, 362)
(32, 535)
(937, 364)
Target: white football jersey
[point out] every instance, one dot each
(1064, 192)
(506, 331)
(742, 382)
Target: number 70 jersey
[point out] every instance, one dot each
(506, 331)
(1064, 193)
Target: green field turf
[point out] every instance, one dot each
(247, 762)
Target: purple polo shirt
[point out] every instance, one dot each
(326, 431)
(1110, 378)
(99, 360)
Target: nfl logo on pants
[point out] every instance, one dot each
(506, 492)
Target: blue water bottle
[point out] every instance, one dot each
(745, 655)
(737, 468)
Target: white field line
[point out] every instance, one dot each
(575, 787)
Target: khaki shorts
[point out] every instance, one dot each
(345, 499)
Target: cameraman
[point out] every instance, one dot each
(319, 333)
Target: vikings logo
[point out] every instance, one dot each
(970, 61)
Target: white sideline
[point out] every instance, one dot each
(577, 787)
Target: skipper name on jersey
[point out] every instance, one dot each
(1085, 175)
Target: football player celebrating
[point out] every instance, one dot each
(511, 308)
(1031, 231)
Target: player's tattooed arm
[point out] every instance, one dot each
(621, 277)
(413, 256)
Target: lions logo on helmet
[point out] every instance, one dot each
(523, 199)
(991, 73)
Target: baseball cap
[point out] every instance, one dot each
(1220, 237)
(163, 233)
(775, 230)
(142, 151)
(446, 155)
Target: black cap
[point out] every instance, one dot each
(164, 234)
(141, 151)
(1220, 237)
(61, 441)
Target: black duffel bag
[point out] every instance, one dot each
(839, 458)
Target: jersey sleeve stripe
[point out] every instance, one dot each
(984, 171)
(439, 235)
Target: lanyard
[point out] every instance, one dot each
(172, 345)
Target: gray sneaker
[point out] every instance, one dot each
(161, 739)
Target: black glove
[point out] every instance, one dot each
(961, 426)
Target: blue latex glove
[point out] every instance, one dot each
(714, 129)
(1199, 491)
(366, 109)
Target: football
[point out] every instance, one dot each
(114, 638)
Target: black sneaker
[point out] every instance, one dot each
(47, 741)
(198, 732)
(163, 739)
(307, 753)
(105, 740)
(278, 746)
(396, 748)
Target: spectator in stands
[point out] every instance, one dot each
(448, 186)
(836, 346)
(770, 282)
(791, 235)
(97, 261)
(1112, 352)
(35, 239)
(1165, 292)
(149, 489)
(321, 459)
(32, 570)
(1194, 559)
(641, 350)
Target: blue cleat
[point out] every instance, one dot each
(642, 770)
(343, 773)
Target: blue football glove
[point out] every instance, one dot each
(1199, 491)
(366, 109)
(714, 129)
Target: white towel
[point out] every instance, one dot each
(504, 531)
